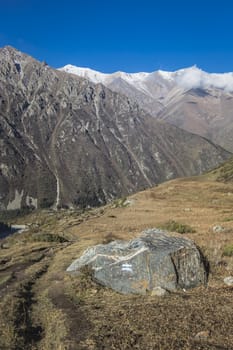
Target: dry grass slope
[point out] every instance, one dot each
(44, 308)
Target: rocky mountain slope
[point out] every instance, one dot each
(204, 112)
(68, 142)
(189, 98)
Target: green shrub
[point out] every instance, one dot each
(48, 237)
(230, 218)
(174, 226)
(120, 203)
(228, 250)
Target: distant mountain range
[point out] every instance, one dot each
(68, 142)
(190, 98)
(187, 78)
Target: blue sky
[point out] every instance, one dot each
(127, 35)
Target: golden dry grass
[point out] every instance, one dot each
(73, 312)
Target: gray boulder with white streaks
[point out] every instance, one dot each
(145, 263)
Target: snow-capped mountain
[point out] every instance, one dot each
(188, 78)
(98, 77)
(135, 79)
(146, 88)
(189, 98)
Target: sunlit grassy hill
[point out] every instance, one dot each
(43, 307)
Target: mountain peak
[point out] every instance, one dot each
(9, 54)
(84, 72)
(10, 50)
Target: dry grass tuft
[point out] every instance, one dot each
(174, 226)
(228, 250)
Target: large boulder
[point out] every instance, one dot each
(145, 263)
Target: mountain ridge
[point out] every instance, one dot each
(188, 78)
(67, 142)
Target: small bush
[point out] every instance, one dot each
(109, 237)
(48, 237)
(174, 226)
(228, 250)
(120, 203)
(230, 218)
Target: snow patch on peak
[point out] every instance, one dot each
(135, 76)
(131, 78)
(92, 75)
(98, 77)
(166, 75)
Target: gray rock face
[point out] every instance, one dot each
(145, 263)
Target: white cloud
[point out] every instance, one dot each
(196, 78)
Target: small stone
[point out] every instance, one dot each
(187, 209)
(218, 228)
(158, 292)
(202, 335)
(228, 281)
(5, 245)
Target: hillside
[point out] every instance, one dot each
(66, 142)
(225, 172)
(206, 112)
(43, 307)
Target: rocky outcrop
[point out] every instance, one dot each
(146, 263)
